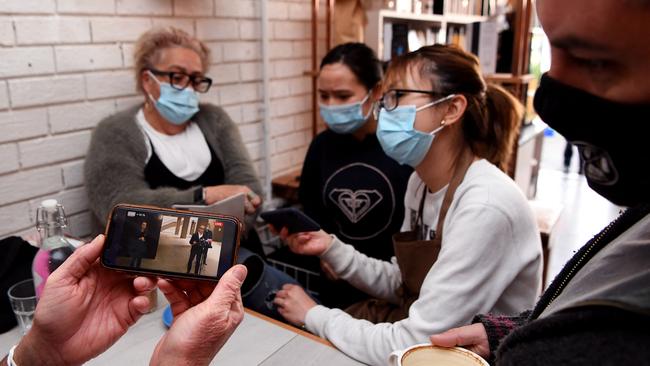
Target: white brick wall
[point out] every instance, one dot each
(53, 149)
(193, 7)
(49, 30)
(28, 6)
(4, 97)
(88, 57)
(9, 161)
(67, 64)
(217, 29)
(26, 61)
(44, 90)
(145, 7)
(6, 32)
(118, 29)
(23, 124)
(85, 7)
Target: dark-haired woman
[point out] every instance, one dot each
(469, 243)
(348, 184)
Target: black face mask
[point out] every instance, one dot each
(613, 139)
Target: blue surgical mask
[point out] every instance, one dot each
(345, 118)
(176, 106)
(399, 138)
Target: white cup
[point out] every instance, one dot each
(428, 354)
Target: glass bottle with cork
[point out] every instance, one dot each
(55, 248)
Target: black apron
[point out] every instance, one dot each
(156, 174)
(415, 257)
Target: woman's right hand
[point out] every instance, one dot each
(217, 193)
(307, 243)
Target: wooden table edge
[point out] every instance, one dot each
(290, 328)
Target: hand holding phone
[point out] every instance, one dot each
(170, 243)
(294, 220)
(308, 243)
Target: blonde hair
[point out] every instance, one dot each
(149, 46)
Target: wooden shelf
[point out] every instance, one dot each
(377, 18)
(432, 18)
(510, 78)
(465, 19)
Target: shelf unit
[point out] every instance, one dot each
(377, 18)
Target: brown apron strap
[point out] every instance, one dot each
(419, 221)
(461, 168)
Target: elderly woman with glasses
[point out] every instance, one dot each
(170, 149)
(469, 242)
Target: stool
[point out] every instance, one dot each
(546, 216)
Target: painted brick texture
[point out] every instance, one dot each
(67, 64)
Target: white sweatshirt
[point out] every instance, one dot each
(490, 261)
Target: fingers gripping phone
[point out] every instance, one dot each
(170, 243)
(294, 220)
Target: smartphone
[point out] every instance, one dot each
(170, 243)
(294, 220)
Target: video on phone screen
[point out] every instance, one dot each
(179, 244)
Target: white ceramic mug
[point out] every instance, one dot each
(428, 354)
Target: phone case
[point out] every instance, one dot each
(294, 220)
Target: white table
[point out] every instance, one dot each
(257, 341)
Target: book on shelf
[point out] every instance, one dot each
(399, 43)
(456, 36)
(400, 38)
(405, 6)
(465, 7)
(388, 41)
(484, 42)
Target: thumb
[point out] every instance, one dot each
(463, 336)
(76, 266)
(446, 339)
(229, 285)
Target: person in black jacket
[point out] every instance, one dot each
(198, 242)
(206, 245)
(597, 95)
(139, 245)
(348, 184)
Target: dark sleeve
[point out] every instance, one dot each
(498, 327)
(310, 190)
(595, 335)
(238, 167)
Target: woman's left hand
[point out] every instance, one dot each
(83, 310)
(293, 304)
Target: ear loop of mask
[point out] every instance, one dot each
(365, 118)
(157, 82)
(428, 105)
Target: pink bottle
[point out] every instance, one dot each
(55, 248)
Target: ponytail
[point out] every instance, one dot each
(504, 112)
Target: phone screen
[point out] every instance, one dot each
(167, 242)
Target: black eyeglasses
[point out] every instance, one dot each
(180, 80)
(390, 100)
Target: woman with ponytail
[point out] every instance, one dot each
(469, 243)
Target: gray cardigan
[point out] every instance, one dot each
(114, 167)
